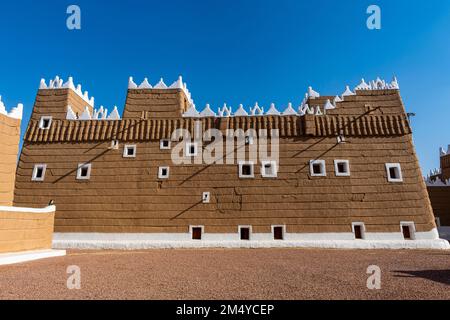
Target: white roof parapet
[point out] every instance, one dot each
(70, 115)
(290, 111)
(145, 84)
(256, 110)
(437, 183)
(363, 85)
(348, 92)
(58, 83)
(329, 106)
(207, 112)
(131, 83)
(15, 113)
(313, 94)
(273, 111)
(442, 152)
(225, 111)
(114, 115)
(306, 109)
(191, 112)
(240, 112)
(178, 84)
(160, 85)
(318, 112)
(86, 115)
(378, 84)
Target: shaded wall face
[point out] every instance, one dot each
(9, 148)
(440, 200)
(445, 167)
(21, 231)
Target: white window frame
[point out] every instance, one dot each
(250, 232)
(41, 122)
(35, 169)
(188, 149)
(322, 163)
(125, 150)
(412, 228)
(114, 145)
(244, 163)
(161, 144)
(160, 173)
(274, 166)
(191, 232)
(396, 166)
(278, 226)
(206, 197)
(363, 229)
(82, 165)
(336, 168)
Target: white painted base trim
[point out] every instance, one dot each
(25, 256)
(138, 241)
(49, 209)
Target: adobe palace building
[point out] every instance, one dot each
(347, 174)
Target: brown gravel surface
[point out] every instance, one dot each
(232, 274)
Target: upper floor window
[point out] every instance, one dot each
(246, 169)
(164, 144)
(394, 172)
(84, 171)
(269, 169)
(45, 122)
(39, 172)
(342, 168)
(163, 172)
(129, 151)
(317, 168)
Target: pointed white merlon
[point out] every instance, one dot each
(329, 105)
(307, 110)
(442, 152)
(160, 85)
(225, 111)
(207, 112)
(131, 83)
(2, 107)
(70, 115)
(86, 115)
(43, 85)
(240, 112)
(289, 111)
(394, 84)
(17, 112)
(272, 110)
(145, 84)
(91, 102)
(256, 110)
(69, 84)
(86, 96)
(312, 93)
(114, 114)
(191, 112)
(178, 84)
(348, 92)
(363, 85)
(337, 99)
(318, 112)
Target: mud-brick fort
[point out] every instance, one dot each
(347, 174)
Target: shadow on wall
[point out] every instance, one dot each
(440, 276)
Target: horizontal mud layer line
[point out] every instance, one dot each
(290, 126)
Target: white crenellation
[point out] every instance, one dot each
(329, 106)
(437, 182)
(225, 111)
(240, 112)
(442, 151)
(15, 113)
(348, 92)
(58, 83)
(313, 94)
(378, 84)
(98, 114)
(256, 110)
(191, 112)
(289, 111)
(207, 112)
(273, 110)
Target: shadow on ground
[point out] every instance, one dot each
(440, 276)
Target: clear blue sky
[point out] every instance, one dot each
(235, 51)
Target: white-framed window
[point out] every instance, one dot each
(39, 172)
(269, 169)
(84, 171)
(341, 139)
(164, 144)
(245, 233)
(246, 169)
(196, 232)
(129, 151)
(206, 197)
(342, 168)
(359, 230)
(45, 122)
(163, 172)
(394, 172)
(191, 149)
(408, 229)
(317, 168)
(278, 232)
(114, 144)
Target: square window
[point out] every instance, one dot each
(84, 171)
(394, 172)
(317, 168)
(164, 144)
(163, 172)
(408, 230)
(342, 168)
(269, 169)
(129, 151)
(206, 197)
(244, 233)
(115, 144)
(278, 232)
(191, 149)
(197, 232)
(246, 170)
(359, 230)
(39, 172)
(45, 122)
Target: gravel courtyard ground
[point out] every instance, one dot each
(232, 274)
